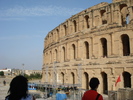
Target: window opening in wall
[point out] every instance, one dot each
(62, 74)
(56, 56)
(86, 80)
(65, 30)
(75, 26)
(57, 34)
(124, 14)
(73, 78)
(127, 79)
(63, 53)
(74, 51)
(87, 21)
(105, 83)
(125, 44)
(104, 47)
(50, 57)
(127, 19)
(52, 37)
(104, 20)
(86, 50)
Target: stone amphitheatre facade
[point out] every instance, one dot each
(96, 42)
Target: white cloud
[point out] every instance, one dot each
(38, 11)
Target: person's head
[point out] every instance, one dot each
(18, 87)
(94, 82)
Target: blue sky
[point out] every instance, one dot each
(24, 25)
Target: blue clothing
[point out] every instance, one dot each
(60, 96)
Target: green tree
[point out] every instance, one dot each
(1, 73)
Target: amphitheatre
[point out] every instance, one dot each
(96, 42)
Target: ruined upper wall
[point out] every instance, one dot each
(100, 15)
(114, 1)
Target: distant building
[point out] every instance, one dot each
(6, 71)
(28, 72)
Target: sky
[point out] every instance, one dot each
(24, 25)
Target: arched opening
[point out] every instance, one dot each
(105, 83)
(62, 78)
(73, 78)
(73, 51)
(104, 47)
(75, 26)
(52, 37)
(125, 44)
(87, 21)
(127, 19)
(57, 34)
(65, 30)
(63, 48)
(127, 79)
(50, 57)
(86, 49)
(124, 14)
(86, 80)
(56, 55)
(103, 16)
(49, 78)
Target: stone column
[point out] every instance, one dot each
(131, 81)
(109, 45)
(131, 46)
(116, 13)
(130, 9)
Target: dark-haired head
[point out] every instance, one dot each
(18, 88)
(94, 82)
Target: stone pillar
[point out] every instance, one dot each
(131, 81)
(91, 48)
(81, 22)
(120, 47)
(131, 46)
(110, 83)
(109, 45)
(109, 17)
(116, 13)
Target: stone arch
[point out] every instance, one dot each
(72, 78)
(105, 82)
(50, 56)
(49, 77)
(87, 21)
(86, 49)
(75, 25)
(125, 44)
(56, 55)
(85, 80)
(73, 51)
(62, 78)
(104, 47)
(46, 58)
(57, 34)
(103, 16)
(124, 14)
(127, 79)
(63, 53)
(65, 30)
(51, 36)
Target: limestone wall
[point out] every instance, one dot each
(100, 39)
